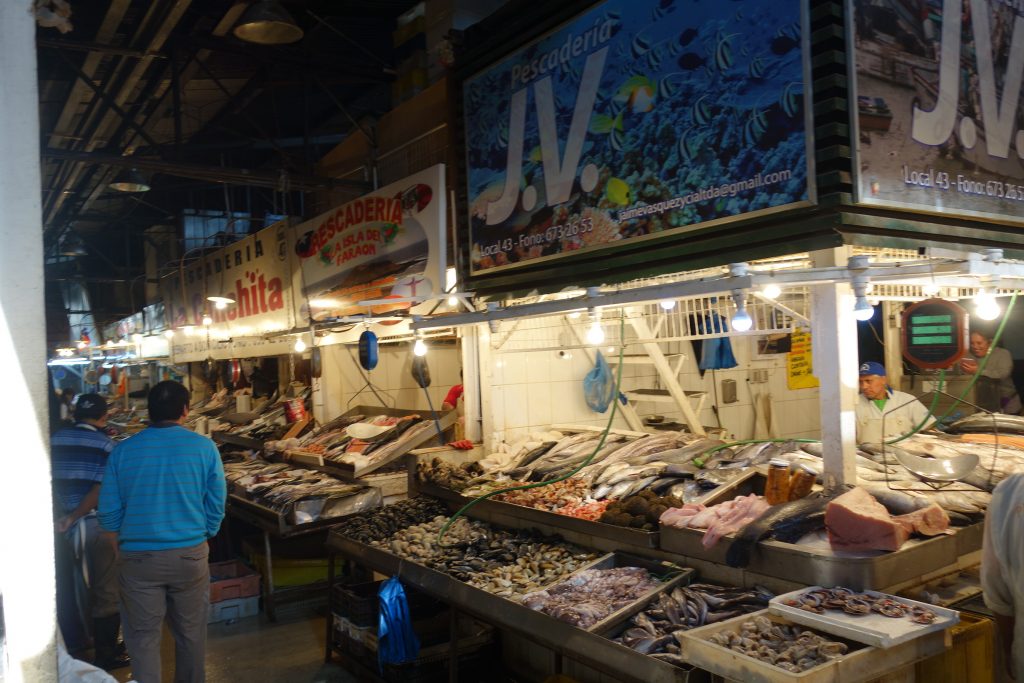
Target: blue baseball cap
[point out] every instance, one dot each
(872, 368)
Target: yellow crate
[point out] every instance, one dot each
(289, 572)
(971, 658)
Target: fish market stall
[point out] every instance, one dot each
(486, 570)
(284, 502)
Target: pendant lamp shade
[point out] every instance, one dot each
(71, 245)
(130, 180)
(266, 22)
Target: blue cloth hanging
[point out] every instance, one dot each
(715, 353)
(396, 641)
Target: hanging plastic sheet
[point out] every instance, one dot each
(396, 641)
(599, 385)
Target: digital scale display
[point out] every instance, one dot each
(935, 333)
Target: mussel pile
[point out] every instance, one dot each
(382, 523)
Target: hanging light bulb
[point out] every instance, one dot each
(575, 315)
(207, 320)
(419, 348)
(453, 301)
(595, 334)
(668, 304)
(741, 320)
(930, 289)
(169, 333)
(300, 345)
(80, 344)
(985, 305)
(862, 310)
(771, 291)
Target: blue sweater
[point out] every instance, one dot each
(163, 488)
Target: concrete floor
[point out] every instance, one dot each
(255, 649)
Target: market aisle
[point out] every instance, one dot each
(254, 649)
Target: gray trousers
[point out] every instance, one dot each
(166, 583)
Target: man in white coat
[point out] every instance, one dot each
(1002, 566)
(878, 403)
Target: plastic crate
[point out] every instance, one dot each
(358, 602)
(230, 610)
(231, 580)
(292, 572)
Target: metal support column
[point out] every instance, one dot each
(269, 597)
(834, 340)
(27, 572)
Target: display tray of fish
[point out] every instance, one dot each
(506, 563)
(867, 617)
(301, 496)
(668, 463)
(607, 592)
(765, 647)
(652, 630)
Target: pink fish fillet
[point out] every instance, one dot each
(680, 517)
(745, 511)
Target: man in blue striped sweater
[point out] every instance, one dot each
(85, 556)
(163, 494)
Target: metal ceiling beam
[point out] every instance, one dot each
(216, 174)
(159, 25)
(81, 46)
(108, 28)
(110, 102)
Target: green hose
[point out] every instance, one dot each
(604, 435)
(926, 418)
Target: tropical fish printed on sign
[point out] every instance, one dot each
(668, 98)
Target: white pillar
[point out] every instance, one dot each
(834, 345)
(471, 379)
(26, 570)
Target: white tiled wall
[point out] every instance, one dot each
(530, 390)
(392, 378)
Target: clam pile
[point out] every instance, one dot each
(382, 523)
(536, 565)
(788, 647)
(501, 562)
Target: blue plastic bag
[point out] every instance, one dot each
(599, 385)
(396, 641)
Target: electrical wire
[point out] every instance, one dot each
(600, 444)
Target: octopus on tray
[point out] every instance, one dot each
(592, 594)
